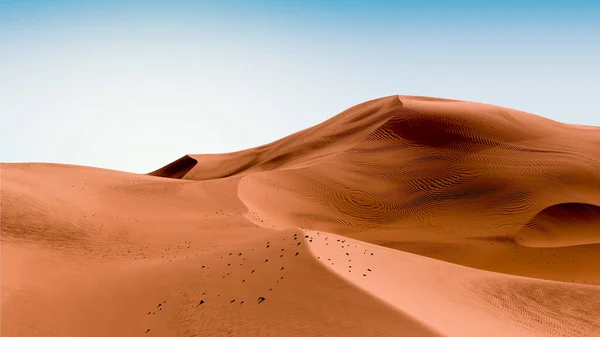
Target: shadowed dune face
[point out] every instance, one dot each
(177, 169)
(449, 131)
(562, 225)
(346, 228)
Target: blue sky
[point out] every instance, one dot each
(133, 85)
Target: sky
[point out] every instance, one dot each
(134, 85)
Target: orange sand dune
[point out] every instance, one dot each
(401, 216)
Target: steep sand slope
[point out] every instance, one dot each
(93, 252)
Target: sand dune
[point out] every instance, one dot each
(456, 181)
(401, 216)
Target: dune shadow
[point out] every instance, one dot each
(177, 169)
(560, 225)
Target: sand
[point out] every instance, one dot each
(401, 216)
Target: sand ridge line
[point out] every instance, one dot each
(453, 299)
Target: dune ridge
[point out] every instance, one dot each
(400, 216)
(441, 295)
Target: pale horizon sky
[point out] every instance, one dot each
(134, 85)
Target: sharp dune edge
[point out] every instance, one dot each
(401, 216)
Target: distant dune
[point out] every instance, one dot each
(401, 216)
